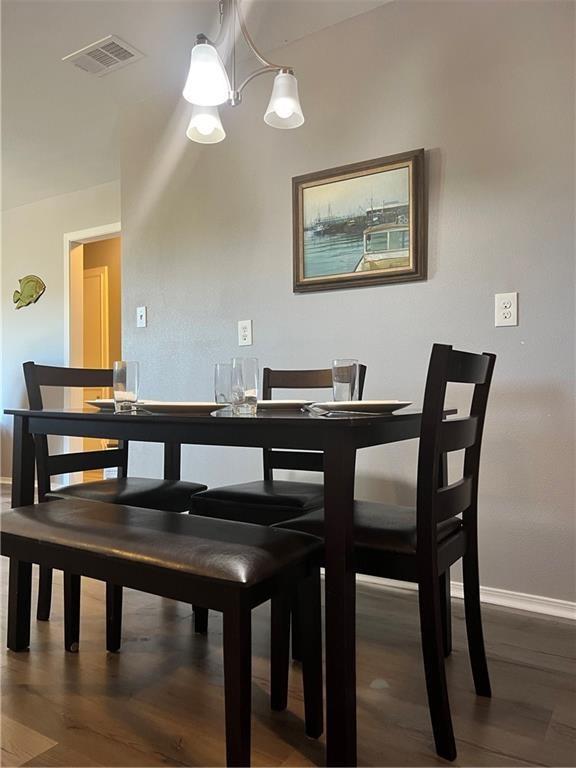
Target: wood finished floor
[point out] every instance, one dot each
(160, 701)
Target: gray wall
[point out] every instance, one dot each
(33, 243)
(487, 89)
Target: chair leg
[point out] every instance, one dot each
(474, 619)
(295, 620)
(200, 620)
(433, 653)
(237, 684)
(113, 617)
(446, 605)
(44, 594)
(71, 612)
(19, 605)
(310, 608)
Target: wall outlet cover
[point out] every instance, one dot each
(244, 333)
(505, 309)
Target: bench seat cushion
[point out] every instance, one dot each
(216, 549)
(384, 527)
(170, 495)
(264, 502)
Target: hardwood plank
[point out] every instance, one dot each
(20, 743)
(58, 756)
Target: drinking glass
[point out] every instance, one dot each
(223, 383)
(125, 385)
(345, 379)
(244, 386)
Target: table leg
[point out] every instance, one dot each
(172, 459)
(22, 464)
(339, 470)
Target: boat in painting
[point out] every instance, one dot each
(386, 246)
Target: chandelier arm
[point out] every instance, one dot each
(268, 65)
(260, 71)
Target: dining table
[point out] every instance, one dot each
(338, 438)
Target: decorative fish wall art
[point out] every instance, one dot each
(31, 288)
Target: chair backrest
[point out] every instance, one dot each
(38, 376)
(311, 461)
(440, 436)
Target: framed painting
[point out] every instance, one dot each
(359, 225)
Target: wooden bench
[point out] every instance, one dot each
(218, 564)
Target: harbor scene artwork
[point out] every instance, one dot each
(360, 224)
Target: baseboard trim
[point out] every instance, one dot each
(520, 601)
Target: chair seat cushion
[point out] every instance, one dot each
(377, 526)
(214, 549)
(264, 502)
(170, 495)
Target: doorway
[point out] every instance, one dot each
(94, 325)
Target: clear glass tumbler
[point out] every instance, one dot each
(125, 385)
(345, 379)
(223, 383)
(244, 386)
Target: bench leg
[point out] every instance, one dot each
(310, 610)
(200, 620)
(19, 605)
(113, 617)
(44, 594)
(237, 684)
(71, 612)
(279, 651)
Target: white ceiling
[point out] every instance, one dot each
(60, 124)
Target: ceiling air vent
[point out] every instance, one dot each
(104, 56)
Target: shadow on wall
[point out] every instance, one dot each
(540, 419)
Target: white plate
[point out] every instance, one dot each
(162, 406)
(283, 405)
(367, 406)
(159, 406)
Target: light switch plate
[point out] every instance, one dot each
(505, 309)
(244, 333)
(141, 317)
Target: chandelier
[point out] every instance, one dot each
(210, 85)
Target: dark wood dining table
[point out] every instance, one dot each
(338, 438)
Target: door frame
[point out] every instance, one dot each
(71, 268)
(71, 239)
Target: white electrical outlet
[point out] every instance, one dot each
(244, 333)
(505, 309)
(141, 317)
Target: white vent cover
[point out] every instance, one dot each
(104, 56)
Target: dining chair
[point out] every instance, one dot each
(168, 495)
(270, 501)
(420, 544)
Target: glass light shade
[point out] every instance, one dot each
(207, 84)
(284, 110)
(205, 126)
